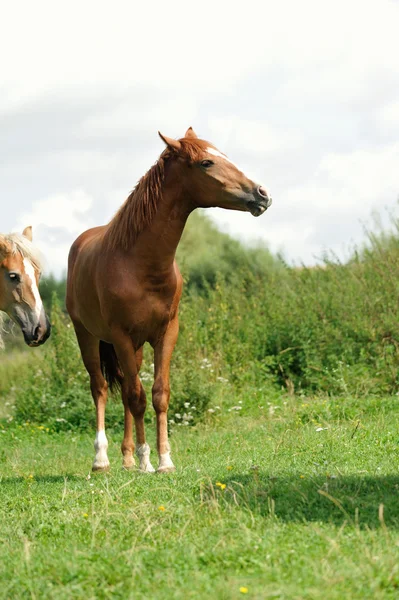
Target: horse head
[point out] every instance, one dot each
(213, 179)
(20, 272)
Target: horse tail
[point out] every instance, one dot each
(110, 366)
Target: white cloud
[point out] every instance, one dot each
(254, 138)
(328, 211)
(56, 222)
(388, 118)
(303, 93)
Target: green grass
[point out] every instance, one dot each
(14, 366)
(303, 514)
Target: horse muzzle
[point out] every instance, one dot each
(38, 335)
(260, 202)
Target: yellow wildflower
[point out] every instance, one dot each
(229, 467)
(221, 485)
(243, 590)
(161, 507)
(85, 515)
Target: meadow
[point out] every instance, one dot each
(284, 431)
(299, 500)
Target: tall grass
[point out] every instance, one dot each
(333, 328)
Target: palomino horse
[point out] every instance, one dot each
(20, 270)
(124, 285)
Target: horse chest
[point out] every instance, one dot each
(155, 310)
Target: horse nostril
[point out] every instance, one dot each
(262, 192)
(36, 333)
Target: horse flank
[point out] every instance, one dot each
(140, 207)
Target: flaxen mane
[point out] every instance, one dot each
(15, 242)
(140, 207)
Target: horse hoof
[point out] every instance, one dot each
(148, 469)
(170, 469)
(129, 467)
(100, 468)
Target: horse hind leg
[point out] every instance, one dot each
(134, 401)
(89, 348)
(111, 367)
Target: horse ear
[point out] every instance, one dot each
(174, 145)
(190, 133)
(27, 232)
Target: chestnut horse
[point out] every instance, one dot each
(20, 270)
(124, 285)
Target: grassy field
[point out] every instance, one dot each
(286, 487)
(297, 498)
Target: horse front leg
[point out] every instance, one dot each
(89, 348)
(161, 393)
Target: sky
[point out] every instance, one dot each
(303, 96)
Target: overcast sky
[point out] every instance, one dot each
(302, 95)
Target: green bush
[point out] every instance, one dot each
(333, 328)
(56, 391)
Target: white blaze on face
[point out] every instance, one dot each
(221, 155)
(217, 153)
(30, 272)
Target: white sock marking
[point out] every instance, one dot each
(165, 462)
(143, 452)
(101, 446)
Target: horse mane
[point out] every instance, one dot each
(140, 207)
(17, 243)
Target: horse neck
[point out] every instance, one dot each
(155, 248)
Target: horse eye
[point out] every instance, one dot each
(207, 163)
(14, 277)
